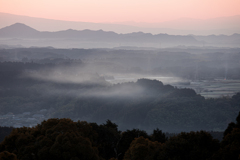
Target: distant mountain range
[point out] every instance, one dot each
(19, 30)
(184, 26)
(20, 33)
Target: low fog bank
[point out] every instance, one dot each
(185, 63)
(203, 69)
(146, 104)
(142, 89)
(192, 41)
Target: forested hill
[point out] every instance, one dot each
(29, 96)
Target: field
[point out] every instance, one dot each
(216, 88)
(209, 89)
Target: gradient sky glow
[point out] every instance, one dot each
(150, 11)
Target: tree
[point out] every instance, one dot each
(143, 149)
(230, 145)
(232, 125)
(7, 156)
(126, 139)
(107, 139)
(159, 136)
(60, 139)
(190, 146)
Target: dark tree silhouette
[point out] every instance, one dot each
(143, 149)
(60, 139)
(159, 136)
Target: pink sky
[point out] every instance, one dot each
(122, 10)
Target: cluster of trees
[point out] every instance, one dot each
(64, 139)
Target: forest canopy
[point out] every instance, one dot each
(64, 139)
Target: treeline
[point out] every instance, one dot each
(64, 139)
(206, 63)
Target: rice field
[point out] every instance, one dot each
(209, 89)
(214, 89)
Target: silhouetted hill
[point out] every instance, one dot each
(107, 39)
(183, 26)
(220, 39)
(19, 30)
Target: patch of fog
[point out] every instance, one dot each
(207, 88)
(120, 91)
(77, 83)
(85, 75)
(64, 74)
(64, 78)
(134, 78)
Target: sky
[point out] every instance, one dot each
(111, 11)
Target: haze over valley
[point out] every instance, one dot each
(119, 80)
(59, 62)
(90, 82)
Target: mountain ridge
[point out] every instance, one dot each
(226, 25)
(12, 29)
(22, 31)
